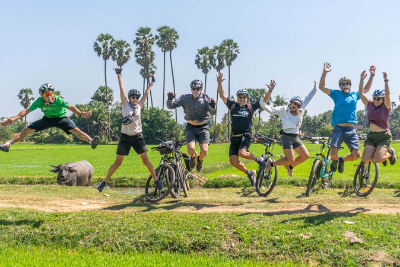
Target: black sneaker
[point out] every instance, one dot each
(159, 184)
(95, 141)
(101, 186)
(252, 177)
(192, 162)
(334, 165)
(384, 163)
(392, 158)
(341, 165)
(4, 148)
(199, 164)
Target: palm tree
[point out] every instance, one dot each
(144, 55)
(102, 47)
(219, 64)
(231, 53)
(25, 95)
(205, 60)
(121, 52)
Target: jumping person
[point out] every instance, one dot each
(131, 130)
(292, 117)
(241, 117)
(197, 107)
(344, 118)
(377, 145)
(55, 115)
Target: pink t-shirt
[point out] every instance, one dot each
(378, 115)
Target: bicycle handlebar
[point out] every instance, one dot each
(266, 138)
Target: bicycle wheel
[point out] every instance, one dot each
(187, 182)
(167, 175)
(314, 175)
(326, 181)
(176, 187)
(183, 178)
(365, 179)
(266, 182)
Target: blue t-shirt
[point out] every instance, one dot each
(345, 109)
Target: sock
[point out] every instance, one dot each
(290, 167)
(272, 164)
(198, 158)
(248, 172)
(259, 160)
(8, 143)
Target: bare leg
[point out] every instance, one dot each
(303, 155)
(368, 153)
(354, 155)
(287, 160)
(234, 160)
(21, 135)
(334, 153)
(147, 163)
(381, 154)
(81, 135)
(203, 151)
(191, 149)
(243, 153)
(114, 167)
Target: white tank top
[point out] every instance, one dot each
(132, 118)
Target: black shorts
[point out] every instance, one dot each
(200, 133)
(241, 142)
(44, 123)
(127, 141)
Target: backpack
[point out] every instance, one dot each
(248, 106)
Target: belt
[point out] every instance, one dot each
(239, 135)
(198, 126)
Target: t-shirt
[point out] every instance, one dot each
(345, 110)
(57, 109)
(242, 119)
(131, 122)
(378, 115)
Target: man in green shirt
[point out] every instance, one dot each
(55, 115)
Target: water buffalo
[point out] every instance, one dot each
(74, 173)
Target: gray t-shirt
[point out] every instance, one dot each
(131, 121)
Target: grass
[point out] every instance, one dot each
(29, 164)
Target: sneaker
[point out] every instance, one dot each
(95, 141)
(261, 162)
(101, 186)
(341, 165)
(192, 161)
(4, 148)
(392, 158)
(384, 163)
(334, 165)
(199, 164)
(159, 184)
(289, 170)
(252, 177)
(269, 167)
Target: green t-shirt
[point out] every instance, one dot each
(54, 110)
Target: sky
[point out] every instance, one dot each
(288, 41)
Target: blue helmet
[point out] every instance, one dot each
(242, 92)
(379, 93)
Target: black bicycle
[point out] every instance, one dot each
(265, 182)
(180, 162)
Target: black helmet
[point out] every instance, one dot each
(196, 84)
(44, 88)
(134, 92)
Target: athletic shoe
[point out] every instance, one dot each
(384, 163)
(4, 148)
(101, 186)
(192, 162)
(252, 177)
(261, 162)
(95, 141)
(289, 170)
(341, 165)
(199, 164)
(159, 184)
(334, 165)
(392, 158)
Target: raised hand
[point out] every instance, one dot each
(170, 95)
(363, 74)
(7, 122)
(271, 85)
(220, 77)
(118, 70)
(384, 75)
(86, 114)
(153, 80)
(212, 103)
(327, 67)
(372, 70)
(315, 84)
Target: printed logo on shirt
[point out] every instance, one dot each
(241, 113)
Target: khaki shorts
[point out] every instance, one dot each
(376, 139)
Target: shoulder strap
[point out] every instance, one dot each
(233, 107)
(250, 108)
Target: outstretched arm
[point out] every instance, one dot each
(367, 87)
(221, 92)
(388, 104)
(363, 97)
(20, 115)
(310, 96)
(271, 87)
(77, 112)
(322, 87)
(118, 71)
(146, 94)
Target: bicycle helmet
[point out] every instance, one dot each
(345, 79)
(44, 88)
(133, 92)
(242, 92)
(196, 84)
(297, 99)
(379, 93)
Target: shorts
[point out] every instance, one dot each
(376, 139)
(346, 134)
(44, 123)
(240, 142)
(290, 142)
(199, 133)
(127, 141)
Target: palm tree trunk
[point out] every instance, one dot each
(205, 83)
(108, 107)
(163, 86)
(229, 97)
(215, 121)
(259, 119)
(173, 81)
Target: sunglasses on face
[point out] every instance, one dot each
(378, 98)
(196, 89)
(242, 97)
(47, 94)
(296, 104)
(344, 84)
(134, 96)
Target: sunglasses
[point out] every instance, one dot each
(135, 96)
(296, 104)
(47, 94)
(344, 84)
(196, 89)
(377, 98)
(242, 97)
